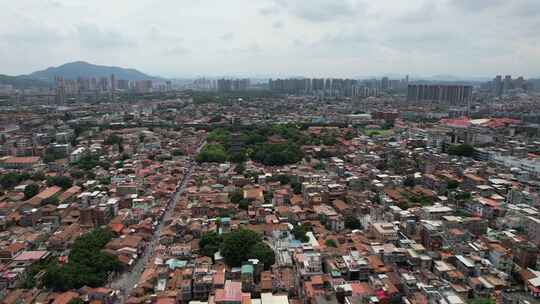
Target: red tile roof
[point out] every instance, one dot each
(65, 297)
(31, 255)
(21, 160)
(456, 122)
(231, 293)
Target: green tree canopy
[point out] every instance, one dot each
(299, 232)
(236, 246)
(277, 154)
(283, 179)
(262, 252)
(243, 204)
(178, 152)
(38, 176)
(219, 136)
(481, 301)
(87, 264)
(236, 196)
(53, 200)
(50, 155)
(89, 162)
(212, 153)
(452, 184)
(297, 187)
(461, 150)
(351, 222)
(409, 181)
(330, 243)
(255, 144)
(463, 196)
(209, 244)
(329, 138)
(12, 179)
(349, 135)
(241, 245)
(30, 191)
(61, 181)
(240, 168)
(113, 139)
(77, 173)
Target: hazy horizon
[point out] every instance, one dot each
(263, 76)
(276, 38)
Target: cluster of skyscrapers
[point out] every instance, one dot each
(500, 86)
(103, 85)
(336, 87)
(449, 94)
(221, 85)
(233, 85)
(6, 89)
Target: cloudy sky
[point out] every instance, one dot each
(337, 38)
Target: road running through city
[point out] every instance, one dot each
(126, 282)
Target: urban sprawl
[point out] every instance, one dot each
(282, 191)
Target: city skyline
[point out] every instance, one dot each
(83, 69)
(465, 39)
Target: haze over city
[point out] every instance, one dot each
(270, 152)
(330, 38)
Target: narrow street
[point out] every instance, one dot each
(126, 282)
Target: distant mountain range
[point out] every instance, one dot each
(73, 70)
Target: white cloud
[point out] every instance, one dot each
(93, 37)
(320, 10)
(278, 37)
